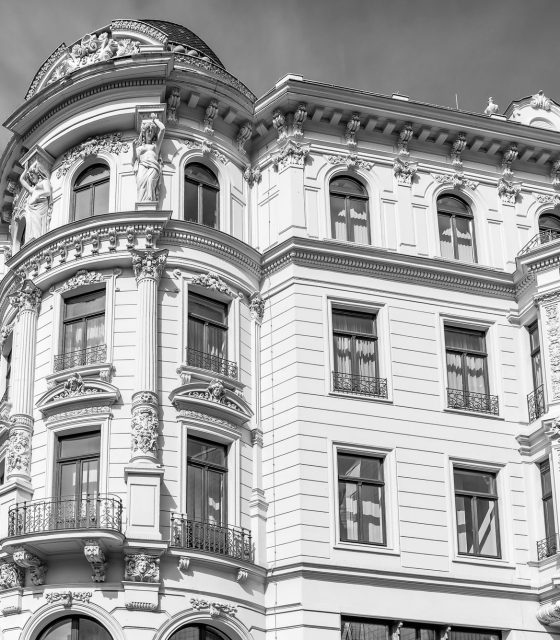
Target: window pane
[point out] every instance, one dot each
(534, 337)
(548, 222)
(358, 221)
(347, 186)
(348, 510)
(451, 204)
(79, 445)
(464, 340)
(354, 322)
(342, 354)
(209, 452)
(188, 633)
(101, 198)
(216, 344)
(196, 334)
(474, 481)
(60, 630)
(366, 358)
(407, 633)
(549, 521)
(338, 218)
(537, 369)
(364, 467)
(191, 202)
(445, 236)
(95, 331)
(364, 631)
(215, 497)
(487, 515)
(93, 174)
(82, 204)
(454, 370)
(200, 173)
(91, 630)
(474, 634)
(209, 207)
(476, 374)
(90, 478)
(67, 486)
(207, 309)
(73, 336)
(195, 493)
(84, 305)
(465, 524)
(372, 513)
(546, 482)
(465, 241)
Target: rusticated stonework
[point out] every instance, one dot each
(141, 567)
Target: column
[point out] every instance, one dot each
(549, 319)
(143, 475)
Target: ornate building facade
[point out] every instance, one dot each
(274, 368)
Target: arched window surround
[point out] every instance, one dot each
(231, 627)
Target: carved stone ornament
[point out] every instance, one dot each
(508, 190)
(5, 332)
(242, 575)
(549, 613)
(244, 135)
(279, 123)
(11, 575)
(404, 170)
(96, 557)
(74, 386)
(92, 49)
(18, 457)
(457, 149)
(540, 101)
(66, 597)
(197, 416)
(555, 174)
(252, 175)
(492, 107)
(110, 143)
(456, 180)
(141, 567)
(183, 564)
(300, 116)
(26, 560)
(292, 154)
(256, 307)
(148, 264)
(206, 148)
(27, 297)
(508, 158)
(547, 198)
(405, 136)
(552, 326)
(82, 277)
(352, 127)
(144, 431)
(213, 282)
(351, 161)
(173, 103)
(209, 115)
(214, 608)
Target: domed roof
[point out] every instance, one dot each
(181, 36)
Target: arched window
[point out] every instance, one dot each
(75, 628)
(349, 210)
(198, 632)
(456, 228)
(202, 191)
(90, 192)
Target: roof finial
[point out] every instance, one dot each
(492, 107)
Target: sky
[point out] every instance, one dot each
(429, 50)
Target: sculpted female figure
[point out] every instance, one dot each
(145, 155)
(37, 208)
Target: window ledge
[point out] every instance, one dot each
(101, 369)
(499, 563)
(358, 396)
(477, 414)
(367, 548)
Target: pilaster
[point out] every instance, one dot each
(549, 318)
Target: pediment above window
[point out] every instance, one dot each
(215, 398)
(76, 393)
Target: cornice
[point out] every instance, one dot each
(364, 260)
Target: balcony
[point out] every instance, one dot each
(536, 403)
(472, 401)
(80, 358)
(232, 542)
(204, 360)
(65, 514)
(359, 385)
(544, 237)
(547, 547)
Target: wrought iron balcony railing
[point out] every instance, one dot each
(536, 403)
(79, 358)
(205, 360)
(472, 401)
(233, 542)
(56, 514)
(544, 237)
(547, 547)
(359, 385)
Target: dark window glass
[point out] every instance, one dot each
(467, 367)
(84, 321)
(355, 343)
(201, 195)
(78, 465)
(473, 634)
(349, 210)
(206, 481)
(91, 192)
(476, 507)
(536, 365)
(75, 628)
(8, 379)
(2, 471)
(364, 629)
(198, 632)
(549, 222)
(456, 230)
(548, 504)
(361, 498)
(207, 326)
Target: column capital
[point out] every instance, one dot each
(27, 297)
(256, 307)
(149, 263)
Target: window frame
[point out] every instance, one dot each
(60, 461)
(347, 197)
(547, 497)
(533, 329)
(371, 337)
(90, 187)
(465, 354)
(82, 319)
(453, 225)
(201, 185)
(74, 626)
(209, 322)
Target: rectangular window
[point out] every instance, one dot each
(476, 507)
(7, 379)
(535, 345)
(467, 371)
(355, 350)
(365, 630)
(206, 481)
(548, 504)
(361, 499)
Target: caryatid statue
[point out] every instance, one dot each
(36, 181)
(146, 159)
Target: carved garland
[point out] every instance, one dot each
(214, 608)
(110, 143)
(82, 277)
(213, 282)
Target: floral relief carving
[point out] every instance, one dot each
(351, 161)
(149, 264)
(19, 452)
(256, 307)
(144, 430)
(110, 143)
(553, 335)
(86, 411)
(204, 417)
(292, 154)
(547, 198)
(5, 332)
(206, 147)
(82, 277)
(66, 597)
(508, 190)
(456, 180)
(141, 567)
(11, 575)
(213, 282)
(252, 175)
(214, 608)
(540, 101)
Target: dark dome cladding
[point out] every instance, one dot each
(181, 35)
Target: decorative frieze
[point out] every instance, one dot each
(209, 115)
(214, 608)
(75, 413)
(547, 198)
(540, 101)
(67, 597)
(352, 127)
(350, 161)
(26, 560)
(213, 282)
(455, 180)
(141, 567)
(83, 277)
(244, 135)
(256, 307)
(148, 264)
(109, 143)
(11, 575)
(173, 104)
(96, 557)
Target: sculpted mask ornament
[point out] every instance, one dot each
(144, 431)
(141, 567)
(36, 181)
(147, 161)
(216, 389)
(19, 452)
